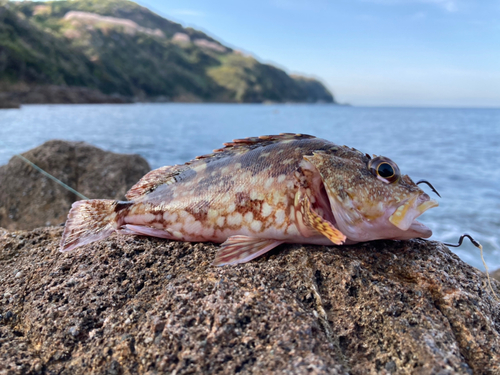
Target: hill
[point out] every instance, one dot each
(121, 51)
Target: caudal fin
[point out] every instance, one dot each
(89, 221)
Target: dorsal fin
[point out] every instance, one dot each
(148, 183)
(263, 140)
(167, 175)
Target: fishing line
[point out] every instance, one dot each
(461, 239)
(478, 245)
(47, 174)
(51, 177)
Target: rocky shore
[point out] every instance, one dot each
(143, 305)
(20, 94)
(131, 304)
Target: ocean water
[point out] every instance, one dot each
(455, 149)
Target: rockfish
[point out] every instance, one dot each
(257, 193)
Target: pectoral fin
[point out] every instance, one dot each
(241, 249)
(312, 219)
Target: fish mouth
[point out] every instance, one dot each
(405, 214)
(421, 229)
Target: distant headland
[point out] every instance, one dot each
(116, 51)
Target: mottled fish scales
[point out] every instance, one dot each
(256, 193)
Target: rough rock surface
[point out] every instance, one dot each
(130, 305)
(496, 274)
(28, 199)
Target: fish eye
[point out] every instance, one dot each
(384, 169)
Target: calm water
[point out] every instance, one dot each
(455, 149)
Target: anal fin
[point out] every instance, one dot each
(323, 226)
(241, 249)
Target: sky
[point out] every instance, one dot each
(439, 53)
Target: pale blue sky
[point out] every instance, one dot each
(368, 52)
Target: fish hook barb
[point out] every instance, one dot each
(430, 185)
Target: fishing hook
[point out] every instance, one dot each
(461, 239)
(478, 245)
(430, 185)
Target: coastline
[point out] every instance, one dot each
(14, 97)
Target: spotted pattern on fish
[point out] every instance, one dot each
(244, 189)
(253, 195)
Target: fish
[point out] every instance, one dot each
(257, 193)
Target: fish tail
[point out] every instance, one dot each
(90, 221)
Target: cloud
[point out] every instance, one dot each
(448, 5)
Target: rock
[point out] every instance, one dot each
(131, 305)
(15, 95)
(8, 104)
(495, 274)
(28, 199)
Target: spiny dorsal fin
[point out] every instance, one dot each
(263, 140)
(148, 183)
(167, 175)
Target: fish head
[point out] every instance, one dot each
(369, 198)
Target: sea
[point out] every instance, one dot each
(457, 150)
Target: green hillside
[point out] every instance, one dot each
(122, 49)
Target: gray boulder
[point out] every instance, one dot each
(28, 199)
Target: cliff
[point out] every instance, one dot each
(120, 51)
